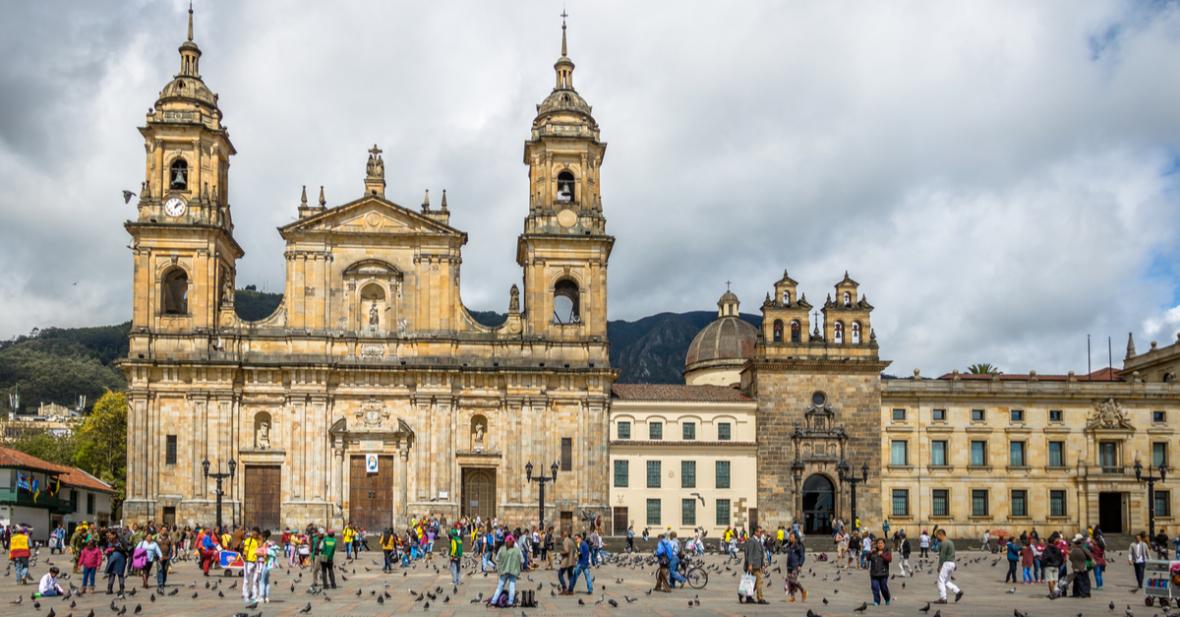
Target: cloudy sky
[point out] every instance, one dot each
(1001, 177)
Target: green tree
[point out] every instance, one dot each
(102, 443)
(983, 368)
(45, 445)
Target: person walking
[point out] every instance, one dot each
(18, 555)
(631, 538)
(267, 557)
(583, 567)
(879, 560)
(923, 545)
(664, 559)
(327, 556)
(1013, 558)
(116, 563)
(754, 563)
(674, 556)
(166, 548)
(456, 554)
(1098, 554)
(1079, 576)
(250, 544)
(388, 544)
(1137, 557)
(566, 563)
(1051, 560)
(946, 567)
(905, 549)
(89, 559)
(796, 555)
(1026, 562)
(508, 560)
(147, 552)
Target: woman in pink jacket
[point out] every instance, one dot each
(90, 560)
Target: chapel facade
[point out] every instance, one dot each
(371, 394)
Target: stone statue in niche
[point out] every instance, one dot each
(373, 315)
(262, 436)
(514, 300)
(478, 436)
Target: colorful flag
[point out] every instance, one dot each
(22, 481)
(36, 489)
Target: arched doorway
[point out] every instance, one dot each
(479, 493)
(818, 502)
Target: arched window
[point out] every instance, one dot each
(838, 332)
(179, 175)
(565, 187)
(174, 292)
(796, 331)
(847, 299)
(566, 302)
(778, 330)
(856, 333)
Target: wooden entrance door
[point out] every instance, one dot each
(479, 493)
(620, 522)
(370, 503)
(262, 501)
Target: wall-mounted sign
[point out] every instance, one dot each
(370, 463)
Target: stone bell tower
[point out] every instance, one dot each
(564, 248)
(183, 244)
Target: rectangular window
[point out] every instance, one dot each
(73, 500)
(170, 450)
(622, 473)
(724, 431)
(688, 512)
(722, 474)
(940, 502)
(977, 415)
(1057, 454)
(1019, 503)
(688, 474)
(653, 512)
(1159, 417)
(1108, 455)
(901, 502)
(90, 503)
(623, 430)
(723, 512)
(978, 453)
(1163, 503)
(1056, 416)
(898, 415)
(938, 453)
(938, 415)
(898, 452)
(1016, 415)
(688, 431)
(979, 502)
(1057, 503)
(655, 431)
(653, 474)
(1159, 454)
(567, 453)
(1016, 453)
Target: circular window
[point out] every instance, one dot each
(819, 398)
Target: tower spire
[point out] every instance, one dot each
(564, 51)
(564, 67)
(190, 20)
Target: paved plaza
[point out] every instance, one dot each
(626, 581)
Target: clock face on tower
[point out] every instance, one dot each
(175, 206)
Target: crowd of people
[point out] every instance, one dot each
(1064, 564)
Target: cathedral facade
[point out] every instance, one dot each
(371, 394)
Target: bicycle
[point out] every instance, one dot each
(694, 574)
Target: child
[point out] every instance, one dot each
(90, 559)
(49, 587)
(1026, 561)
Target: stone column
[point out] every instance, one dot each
(404, 484)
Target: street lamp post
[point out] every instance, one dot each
(1150, 479)
(219, 476)
(845, 476)
(542, 480)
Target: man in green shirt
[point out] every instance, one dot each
(946, 567)
(456, 553)
(327, 553)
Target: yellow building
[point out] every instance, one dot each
(371, 394)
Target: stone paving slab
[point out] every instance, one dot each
(979, 575)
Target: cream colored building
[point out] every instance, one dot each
(370, 394)
(682, 457)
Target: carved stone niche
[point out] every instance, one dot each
(373, 289)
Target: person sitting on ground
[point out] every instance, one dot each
(48, 586)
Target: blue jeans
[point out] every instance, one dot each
(880, 586)
(486, 564)
(263, 582)
(348, 549)
(1038, 570)
(88, 577)
(565, 578)
(1098, 570)
(161, 573)
(511, 581)
(455, 571)
(22, 568)
(674, 574)
(579, 571)
(388, 561)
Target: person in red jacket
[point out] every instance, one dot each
(18, 554)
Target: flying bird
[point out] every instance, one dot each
(127, 195)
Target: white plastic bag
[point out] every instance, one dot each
(746, 586)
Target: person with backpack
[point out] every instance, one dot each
(146, 553)
(116, 563)
(508, 561)
(1051, 560)
(664, 557)
(583, 567)
(456, 554)
(327, 555)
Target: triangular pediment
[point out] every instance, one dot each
(369, 214)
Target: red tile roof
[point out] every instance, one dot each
(70, 476)
(677, 392)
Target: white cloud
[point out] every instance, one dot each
(991, 173)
